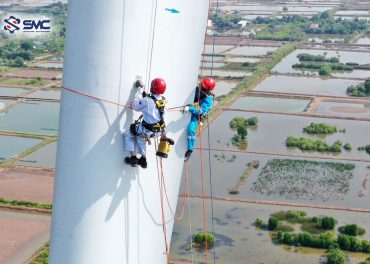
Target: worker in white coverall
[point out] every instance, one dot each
(150, 125)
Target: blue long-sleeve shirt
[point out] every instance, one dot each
(205, 105)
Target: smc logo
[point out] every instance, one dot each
(13, 24)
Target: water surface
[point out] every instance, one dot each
(11, 146)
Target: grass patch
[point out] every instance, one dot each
(37, 82)
(42, 256)
(304, 179)
(28, 204)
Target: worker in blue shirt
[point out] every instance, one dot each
(203, 103)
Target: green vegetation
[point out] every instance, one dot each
(304, 179)
(284, 32)
(260, 223)
(313, 144)
(42, 256)
(319, 58)
(347, 146)
(352, 230)
(201, 239)
(336, 256)
(320, 128)
(325, 70)
(360, 90)
(365, 148)
(272, 223)
(37, 82)
(4, 201)
(226, 19)
(243, 179)
(328, 223)
(367, 261)
(239, 66)
(297, 26)
(262, 70)
(241, 125)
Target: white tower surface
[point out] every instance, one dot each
(105, 211)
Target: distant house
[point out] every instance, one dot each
(314, 26)
(242, 23)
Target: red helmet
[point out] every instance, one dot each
(208, 84)
(158, 86)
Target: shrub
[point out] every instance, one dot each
(201, 238)
(336, 256)
(273, 223)
(328, 223)
(325, 70)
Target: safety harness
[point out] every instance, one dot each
(156, 127)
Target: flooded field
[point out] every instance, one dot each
(363, 41)
(45, 94)
(250, 51)
(238, 240)
(276, 8)
(11, 146)
(224, 87)
(5, 91)
(212, 64)
(44, 157)
(352, 12)
(50, 65)
(271, 104)
(226, 74)
(261, 140)
(217, 48)
(344, 109)
(211, 58)
(306, 85)
(228, 169)
(38, 118)
(243, 59)
(285, 66)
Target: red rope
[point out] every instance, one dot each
(109, 101)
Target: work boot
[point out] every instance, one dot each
(188, 154)
(133, 161)
(143, 163)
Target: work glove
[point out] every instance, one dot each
(138, 84)
(185, 109)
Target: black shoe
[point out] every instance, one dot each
(142, 162)
(133, 161)
(188, 155)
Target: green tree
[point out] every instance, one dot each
(351, 230)
(336, 256)
(18, 62)
(26, 44)
(344, 242)
(242, 131)
(273, 223)
(325, 70)
(328, 223)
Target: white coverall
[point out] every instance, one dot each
(151, 115)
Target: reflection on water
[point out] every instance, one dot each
(217, 48)
(251, 51)
(212, 64)
(243, 59)
(45, 94)
(38, 118)
(271, 104)
(44, 157)
(50, 65)
(344, 109)
(224, 87)
(363, 41)
(232, 74)
(306, 85)
(11, 146)
(241, 242)
(5, 91)
(285, 66)
(261, 139)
